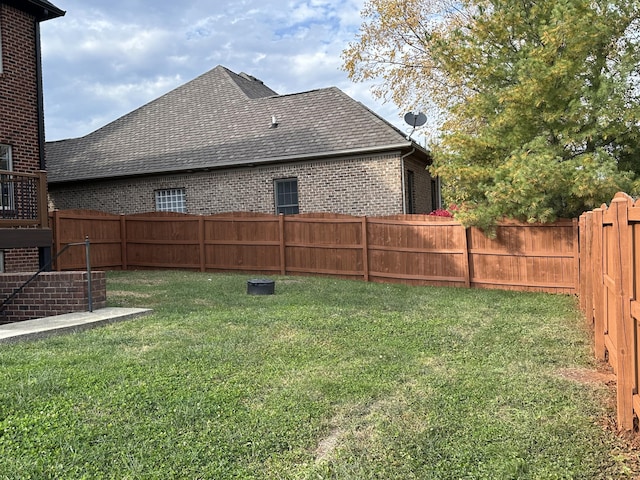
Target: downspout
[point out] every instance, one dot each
(404, 187)
(44, 253)
(40, 99)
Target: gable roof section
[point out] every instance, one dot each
(219, 120)
(41, 9)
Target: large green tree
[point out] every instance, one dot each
(539, 98)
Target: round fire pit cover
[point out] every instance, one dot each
(260, 286)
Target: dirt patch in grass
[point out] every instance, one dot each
(588, 376)
(327, 445)
(629, 442)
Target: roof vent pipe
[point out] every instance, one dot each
(274, 121)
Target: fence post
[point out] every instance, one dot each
(576, 256)
(43, 210)
(283, 266)
(203, 260)
(365, 250)
(123, 242)
(466, 260)
(625, 331)
(87, 251)
(54, 247)
(57, 239)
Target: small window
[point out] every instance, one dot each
(286, 190)
(171, 200)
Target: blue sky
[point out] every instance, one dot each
(106, 58)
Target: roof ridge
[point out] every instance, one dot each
(249, 85)
(292, 94)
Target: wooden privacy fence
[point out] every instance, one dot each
(415, 249)
(609, 293)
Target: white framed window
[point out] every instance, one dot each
(171, 200)
(286, 193)
(6, 181)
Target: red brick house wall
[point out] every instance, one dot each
(21, 260)
(19, 116)
(18, 87)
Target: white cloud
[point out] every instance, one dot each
(119, 93)
(304, 12)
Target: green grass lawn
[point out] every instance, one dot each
(325, 379)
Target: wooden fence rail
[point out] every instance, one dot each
(415, 249)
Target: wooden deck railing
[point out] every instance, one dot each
(23, 199)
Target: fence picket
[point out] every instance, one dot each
(597, 282)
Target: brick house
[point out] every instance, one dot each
(226, 142)
(25, 239)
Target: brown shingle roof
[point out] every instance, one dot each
(222, 119)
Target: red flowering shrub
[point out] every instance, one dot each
(441, 212)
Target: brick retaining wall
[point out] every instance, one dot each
(51, 293)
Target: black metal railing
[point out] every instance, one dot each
(23, 199)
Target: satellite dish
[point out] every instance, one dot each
(415, 119)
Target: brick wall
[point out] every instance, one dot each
(366, 185)
(51, 293)
(21, 260)
(18, 88)
(19, 118)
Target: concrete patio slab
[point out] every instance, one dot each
(70, 322)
